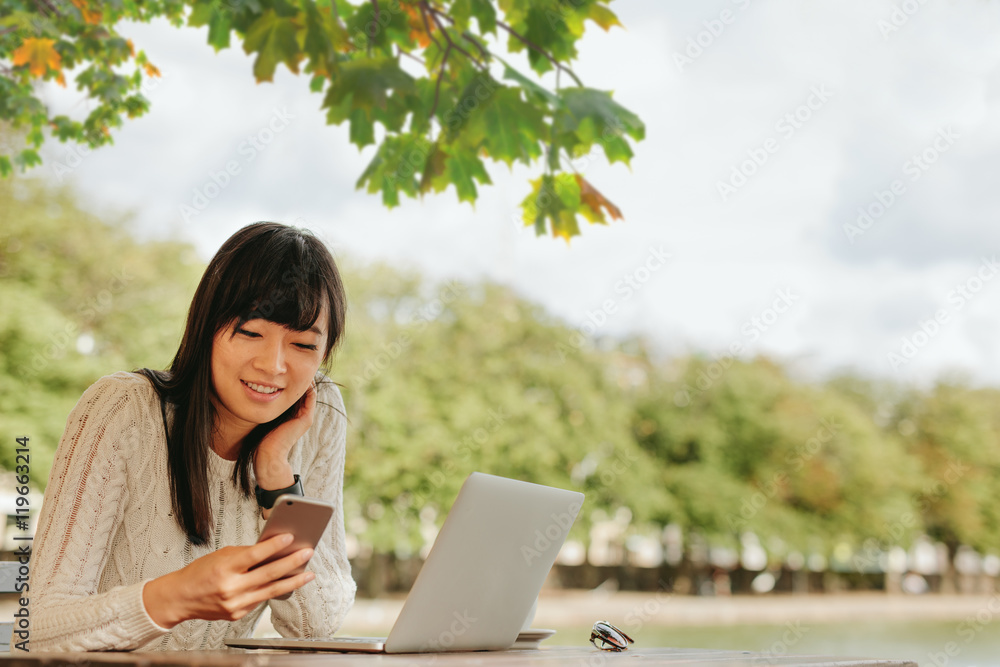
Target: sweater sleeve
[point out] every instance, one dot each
(318, 608)
(84, 502)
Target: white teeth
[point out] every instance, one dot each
(262, 389)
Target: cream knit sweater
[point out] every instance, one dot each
(107, 527)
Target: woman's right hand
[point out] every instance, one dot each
(222, 586)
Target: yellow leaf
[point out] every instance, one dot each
(89, 15)
(151, 70)
(418, 30)
(39, 55)
(595, 201)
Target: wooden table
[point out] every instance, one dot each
(549, 656)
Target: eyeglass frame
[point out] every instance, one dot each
(612, 638)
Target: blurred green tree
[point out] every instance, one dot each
(954, 432)
(81, 298)
(450, 379)
(444, 379)
(745, 448)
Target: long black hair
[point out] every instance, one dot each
(265, 270)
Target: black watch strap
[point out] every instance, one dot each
(266, 498)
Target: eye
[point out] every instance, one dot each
(245, 332)
(305, 346)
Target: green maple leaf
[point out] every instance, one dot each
(506, 127)
(588, 116)
(535, 93)
(556, 199)
(368, 82)
(461, 168)
(368, 90)
(324, 36)
(219, 27)
(395, 167)
(274, 40)
(482, 10)
(544, 24)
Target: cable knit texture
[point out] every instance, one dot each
(107, 527)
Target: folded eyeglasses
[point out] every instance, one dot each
(610, 637)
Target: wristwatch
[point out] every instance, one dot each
(266, 498)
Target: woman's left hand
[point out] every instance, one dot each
(271, 459)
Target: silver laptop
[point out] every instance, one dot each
(481, 577)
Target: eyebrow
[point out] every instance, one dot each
(316, 330)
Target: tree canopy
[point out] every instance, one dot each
(420, 80)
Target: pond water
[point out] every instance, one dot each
(927, 643)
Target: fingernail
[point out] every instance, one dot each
(307, 554)
(287, 538)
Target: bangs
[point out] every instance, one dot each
(280, 280)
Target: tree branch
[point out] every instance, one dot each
(482, 50)
(46, 7)
(427, 25)
(409, 55)
(542, 51)
(451, 43)
(437, 86)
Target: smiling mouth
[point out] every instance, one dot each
(261, 388)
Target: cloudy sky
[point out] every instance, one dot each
(823, 176)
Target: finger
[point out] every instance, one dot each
(278, 569)
(311, 394)
(287, 585)
(261, 551)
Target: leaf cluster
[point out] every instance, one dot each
(420, 80)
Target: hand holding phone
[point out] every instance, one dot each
(304, 518)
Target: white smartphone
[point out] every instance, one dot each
(305, 518)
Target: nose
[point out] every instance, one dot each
(271, 358)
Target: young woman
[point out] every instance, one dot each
(163, 479)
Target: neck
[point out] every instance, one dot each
(228, 435)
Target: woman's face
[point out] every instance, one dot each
(262, 369)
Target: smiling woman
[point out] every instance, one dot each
(161, 482)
